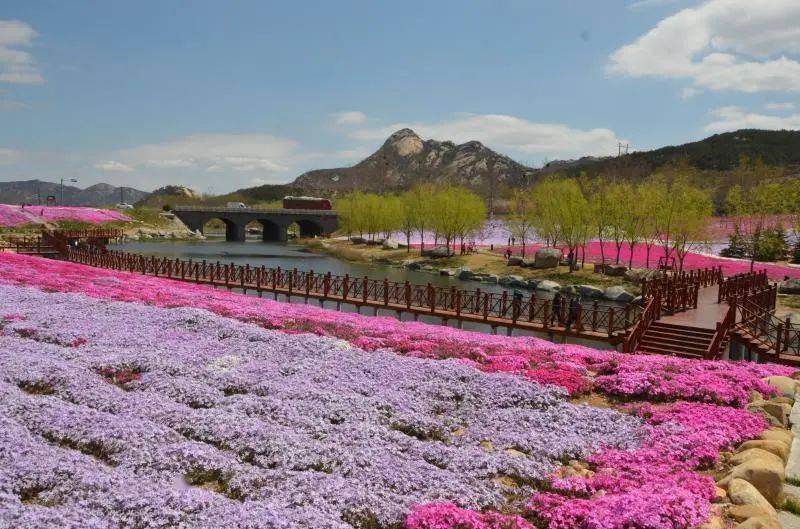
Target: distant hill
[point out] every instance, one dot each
(32, 191)
(720, 152)
(405, 160)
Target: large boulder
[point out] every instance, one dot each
(437, 252)
(528, 263)
(742, 492)
(590, 291)
(636, 275)
(548, 286)
(513, 282)
(785, 385)
(744, 455)
(766, 475)
(547, 258)
(390, 244)
(358, 240)
(615, 270)
(777, 448)
(514, 261)
(789, 286)
(465, 274)
(777, 434)
(618, 294)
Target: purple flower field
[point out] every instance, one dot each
(119, 414)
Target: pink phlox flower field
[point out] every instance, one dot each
(192, 359)
(12, 215)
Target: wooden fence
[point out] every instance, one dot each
(496, 309)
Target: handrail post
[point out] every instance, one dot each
(610, 321)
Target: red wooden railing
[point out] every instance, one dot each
(758, 324)
(651, 313)
(741, 286)
(721, 332)
(497, 309)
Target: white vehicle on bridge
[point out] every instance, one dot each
(236, 205)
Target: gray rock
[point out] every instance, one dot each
(489, 278)
(528, 263)
(790, 286)
(514, 261)
(618, 294)
(616, 270)
(547, 258)
(636, 275)
(638, 300)
(465, 274)
(390, 244)
(439, 251)
(412, 265)
(447, 272)
(358, 240)
(533, 283)
(570, 290)
(508, 281)
(548, 286)
(590, 291)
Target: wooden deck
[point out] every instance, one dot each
(707, 314)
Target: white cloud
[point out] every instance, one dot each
(17, 65)
(214, 153)
(113, 166)
(732, 118)
(9, 155)
(509, 134)
(721, 45)
(689, 92)
(352, 117)
(779, 106)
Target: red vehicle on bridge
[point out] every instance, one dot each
(306, 203)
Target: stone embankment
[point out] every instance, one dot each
(755, 486)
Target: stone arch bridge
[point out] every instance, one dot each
(274, 222)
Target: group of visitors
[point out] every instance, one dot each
(566, 311)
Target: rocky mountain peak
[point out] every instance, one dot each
(176, 191)
(405, 142)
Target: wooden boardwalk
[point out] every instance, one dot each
(694, 314)
(597, 322)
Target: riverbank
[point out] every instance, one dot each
(481, 266)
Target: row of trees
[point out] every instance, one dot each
(450, 213)
(760, 214)
(666, 210)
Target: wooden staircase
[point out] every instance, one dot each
(677, 340)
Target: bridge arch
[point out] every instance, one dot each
(233, 231)
(309, 227)
(272, 231)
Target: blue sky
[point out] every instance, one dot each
(222, 95)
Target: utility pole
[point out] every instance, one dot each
(619, 148)
(62, 188)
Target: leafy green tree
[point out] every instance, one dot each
(522, 217)
(755, 212)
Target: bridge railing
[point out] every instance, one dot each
(446, 302)
(271, 211)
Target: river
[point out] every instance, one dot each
(289, 256)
